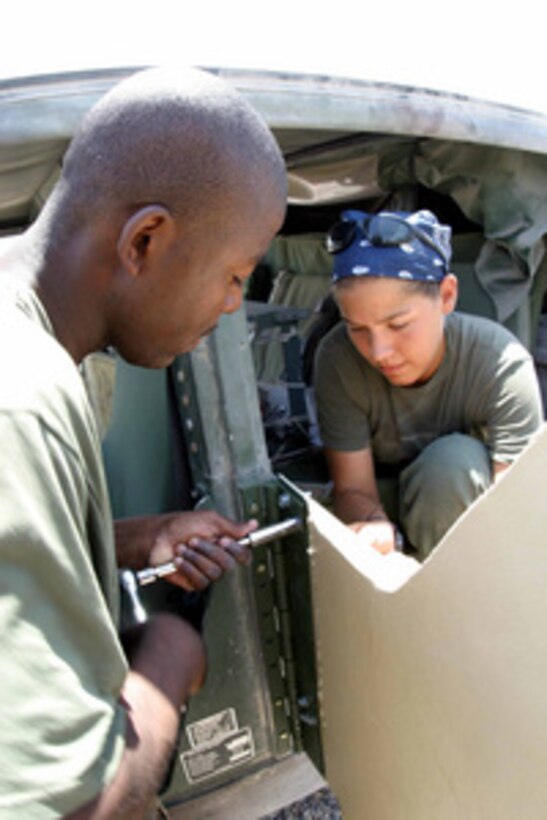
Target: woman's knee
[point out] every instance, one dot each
(439, 485)
(456, 464)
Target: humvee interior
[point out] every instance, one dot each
(498, 224)
(232, 424)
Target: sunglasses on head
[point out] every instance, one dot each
(382, 230)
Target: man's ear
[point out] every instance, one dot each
(449, 293)
(144, 234)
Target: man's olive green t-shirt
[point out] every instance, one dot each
(486, 387)
(61, 664)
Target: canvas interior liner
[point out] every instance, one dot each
(501, 190)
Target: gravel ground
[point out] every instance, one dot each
(318, 806)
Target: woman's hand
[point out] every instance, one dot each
(380, 535)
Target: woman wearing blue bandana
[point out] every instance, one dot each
(420, 408)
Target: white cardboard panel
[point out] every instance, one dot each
(433, 678)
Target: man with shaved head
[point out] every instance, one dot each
(170, 193)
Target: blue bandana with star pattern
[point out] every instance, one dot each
(411, 246)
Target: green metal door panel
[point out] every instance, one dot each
(138, 446)
(258, 703)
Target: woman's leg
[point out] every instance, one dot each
(439, 485)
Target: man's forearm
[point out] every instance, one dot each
(167, 666)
